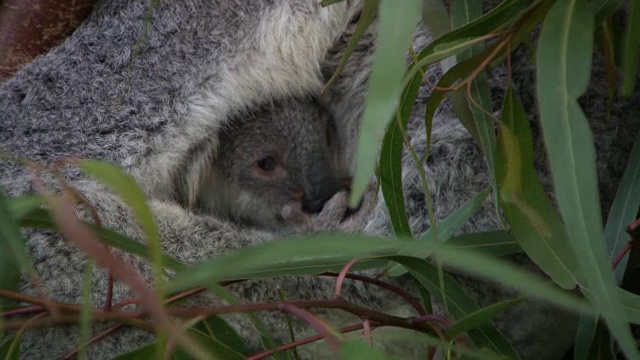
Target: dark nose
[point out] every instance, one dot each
(320, 186)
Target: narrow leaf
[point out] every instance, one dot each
(21, 206)
(315, 254)
(446, 228)
(533, 219)
(624, 210)
(397, 22)
(564, 65)
(40, 219)
(357, 349)
(85, 314)
(630, 50)
(215, 327)
(492, 243)
(10, 348)
(480, 316)
(13, 254)
(391, 163)
(460, 306)
(125, 186)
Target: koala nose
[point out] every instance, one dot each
(320, 186)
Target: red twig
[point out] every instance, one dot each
(35, 309)
(93, 340)
(342, 275)
(322, 327)
(398, 291)
(625, 249)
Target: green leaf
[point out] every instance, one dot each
(317, 254)
(392, 335)
(357, 349)
(13, 254)
(492, 243)
(142, 353)
(125, 186)
(436, 17)
(584, 337)
(391, 163)
(624, 210)
(40, 219)
(603, 9)
(10, 348)
(215, 348)
(367, 17)
(631, 305)
(460, 306)
(630, 49)
(564, 64)
(462, 13)
(480, 317)
(330, 2)
(215, 327)
(397, 22)
(21, 206)
(602, 348)
(497, 18)
(533, 219)
(446, 228)
(85, 314)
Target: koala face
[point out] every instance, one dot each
(274, 165)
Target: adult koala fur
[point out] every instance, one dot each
(107, 94)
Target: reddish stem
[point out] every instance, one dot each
(316, 322)
(342, 275)
(625, 249)
(398, 291)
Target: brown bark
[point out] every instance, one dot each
(29, 28)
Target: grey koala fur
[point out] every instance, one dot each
(144, 104)
(273, 166)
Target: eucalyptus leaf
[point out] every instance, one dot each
(13, 253)
(460, 306)
(630, 50)
(10, 348)
(564, 65)
(357, 349)
(480, 316)
(390, 164)
(446, 228)
(397, 23)
(39, 218)
(527, 208)
(496, 243)
(125, 186)
(624, 210)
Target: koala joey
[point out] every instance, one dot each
(275, 165)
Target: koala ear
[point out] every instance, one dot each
(195, 167)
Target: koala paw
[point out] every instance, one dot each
(336, 215)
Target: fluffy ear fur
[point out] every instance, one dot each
(146, 104)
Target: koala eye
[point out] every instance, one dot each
(267, 163)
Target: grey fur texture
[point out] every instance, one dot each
(143, 102)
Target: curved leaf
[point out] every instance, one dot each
(534, 222)
(564, 63)
(397, 23)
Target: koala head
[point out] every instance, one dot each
(275, 165)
